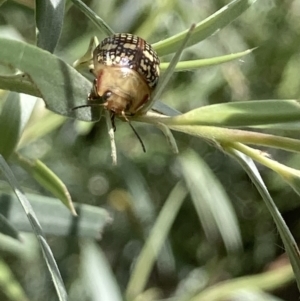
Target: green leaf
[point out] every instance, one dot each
(152, 20)
(12, 246)
(285, 234)
(266, 281)
(97, 274)
(165, 78)
(290, 175)
(27, 3)
(292, 178)
(287, 126)
(244, 113)
(14, 116)
(54, 217)
(47, 179)
(204, 29)
(10, 285)
(35, 225)
(41, 127)
(164, 109)
(52, 267)
(169, 137)
(223, 135)
(255, 295)
(49, 17)
(60, 85)
(18, 83)
(86, 61)
(158, 235)
(99, 22)
(213, 206)
(196, 64)
(7, 228)
(137, 185)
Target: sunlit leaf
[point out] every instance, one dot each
(196, 64)
(207, 27)
(285, 234)
(244, 113)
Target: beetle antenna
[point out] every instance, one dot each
(137, 135)
(86, 106)
(135, 132)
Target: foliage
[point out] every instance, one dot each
(182, 223)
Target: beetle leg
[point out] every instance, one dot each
(93, 95)
(112, 118)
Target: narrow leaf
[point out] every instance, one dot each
(197, 64)
(155, 241)
(99, 22)
(10, 286)
(86, 61)
(244, 113)
(18, 83)
(60, 85)
(169, 136)
(165, 78)
(204, 29)
(48, 256)
(265, 281)
(218, 134)
(52, 266)
(213, 206)
(97, 275)
(14, 116)
(7, 228)
(49, 17)
(164, 109)
(40, 127)
(47, 179)
(54, 217)
(285, 234)
(290, 175)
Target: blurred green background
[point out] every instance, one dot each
(135, 190)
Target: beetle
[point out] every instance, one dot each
(126, 70)
(127, 75)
